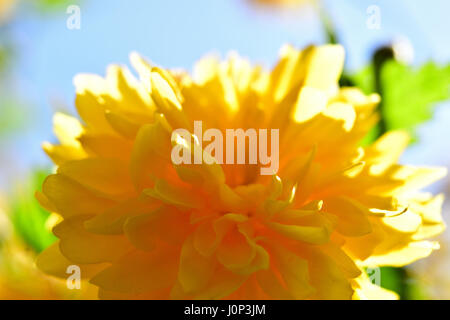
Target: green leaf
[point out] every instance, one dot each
(28, 217)
(365, 79)
(52, 5)
(409, 94)
(391, 279)
(11, 117)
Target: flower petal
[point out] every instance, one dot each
(81, 246)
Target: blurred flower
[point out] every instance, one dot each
(140, 226)
(403, 50)
(19, 276)
(432, 274)
(6, 9)
(286, 3)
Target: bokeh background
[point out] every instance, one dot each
(39, 55)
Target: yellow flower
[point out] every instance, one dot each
(282, 3)
(140, 226)
(6, 9)
(20, 279)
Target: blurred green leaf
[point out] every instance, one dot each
(391, 279)
(11, 117)
(365, 79)
(52, 5)
(4, 55)
(28, 217)
(400, 281)
(409, 95)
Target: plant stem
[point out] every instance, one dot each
(380, 57)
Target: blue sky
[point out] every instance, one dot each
(175, 33)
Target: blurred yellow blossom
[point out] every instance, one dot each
(6, 9)
(283, 3)
(20, 279)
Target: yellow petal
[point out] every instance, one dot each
(107, 176)
(140, 272)
(167, 101)
(342, 111)
(61, 153)
(225, 283)
(407, 222)
(70, 198)
(295, 273)
(51, 261)
(234, 251)
(81, 246)
(44, 202)
(91, 109)
(122, 125)
(313, 235)
(273, 285)
(163, 224)
(344, 261)
(352, 216)
(325, 67)
(113, 220)
(195, 270)
(416, 178)
(403, 254)
(151, 154)
(106, 146)
(310, 102)
(328, 278)
(67, 129)
(387, 150)
(177, 196)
